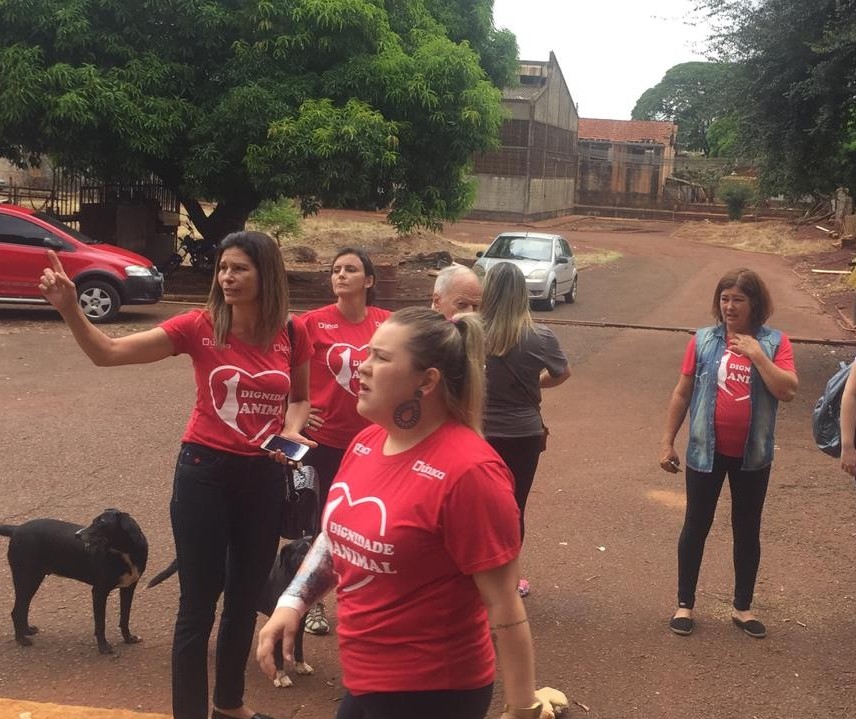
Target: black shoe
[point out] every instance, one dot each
(682, 625)
(217, 714)
(753, 627)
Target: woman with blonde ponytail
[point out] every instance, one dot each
(419, 538)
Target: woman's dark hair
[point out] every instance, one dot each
(751, 285)
(264, 253)
(368, 268)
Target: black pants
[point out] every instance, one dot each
(451, 704)
(225, 513)
(521, 455)
(748, 491)
(326, 461)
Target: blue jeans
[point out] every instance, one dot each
(225, 512)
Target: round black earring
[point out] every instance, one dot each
(408, 414)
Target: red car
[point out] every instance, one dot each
(106, 276)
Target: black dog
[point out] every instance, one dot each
(111, 552)
(284, 568)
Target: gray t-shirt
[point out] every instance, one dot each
(509, 410)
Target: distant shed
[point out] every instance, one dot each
(624, 163)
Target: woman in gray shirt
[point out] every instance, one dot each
(522, 359)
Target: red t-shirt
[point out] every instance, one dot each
(406, 533)
(240, 388)
(338, 348)
(733, 404)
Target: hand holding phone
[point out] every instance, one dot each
(291, 449)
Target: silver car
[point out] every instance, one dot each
(547, 262)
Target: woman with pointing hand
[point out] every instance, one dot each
(227, 493)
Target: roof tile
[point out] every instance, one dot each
(661, 133)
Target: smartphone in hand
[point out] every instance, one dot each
(291, 449)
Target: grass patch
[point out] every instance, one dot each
(326, 235)
(774, 238)
(593, 258)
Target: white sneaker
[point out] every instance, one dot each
(316, 620)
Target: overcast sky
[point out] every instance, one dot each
(610, 51)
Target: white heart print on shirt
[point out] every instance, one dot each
(242, 406)
(343, 360)
(367, 553)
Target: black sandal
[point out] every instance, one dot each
(682, 626)
(752, 627)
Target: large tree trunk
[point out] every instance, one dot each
(228, 216)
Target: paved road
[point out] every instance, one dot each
(602, 524)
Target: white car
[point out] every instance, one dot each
(547, 262)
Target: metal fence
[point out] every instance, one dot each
(69, 190)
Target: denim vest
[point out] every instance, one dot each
(758, 453)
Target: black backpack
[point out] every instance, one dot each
(825, 418)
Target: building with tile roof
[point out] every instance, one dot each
(624, 163)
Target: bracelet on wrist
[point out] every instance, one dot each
(531, 712)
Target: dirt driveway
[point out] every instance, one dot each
(602, 523)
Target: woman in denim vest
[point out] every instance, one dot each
(733, 376)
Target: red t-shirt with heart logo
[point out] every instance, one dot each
(406, 533)
(338, 348)
(241, 389)
(733, 410)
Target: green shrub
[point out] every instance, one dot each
(280, 218)
(736, 194)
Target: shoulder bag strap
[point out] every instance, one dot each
(289, 327)
(290, 489)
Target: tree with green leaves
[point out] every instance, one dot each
(793, 94)
(692, 95)
(348, 101)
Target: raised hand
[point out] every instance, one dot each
(745, 345)
(55, 285)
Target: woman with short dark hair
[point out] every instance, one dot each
(733, 376)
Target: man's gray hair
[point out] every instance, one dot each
(447, 274)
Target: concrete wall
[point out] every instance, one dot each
(556, 106)
(548, 198)
(502, 194)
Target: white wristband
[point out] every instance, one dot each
(292, 602)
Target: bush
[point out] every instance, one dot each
(736, 194)
(280, 218)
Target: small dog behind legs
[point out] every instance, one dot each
(287, 563)
(111, 552)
